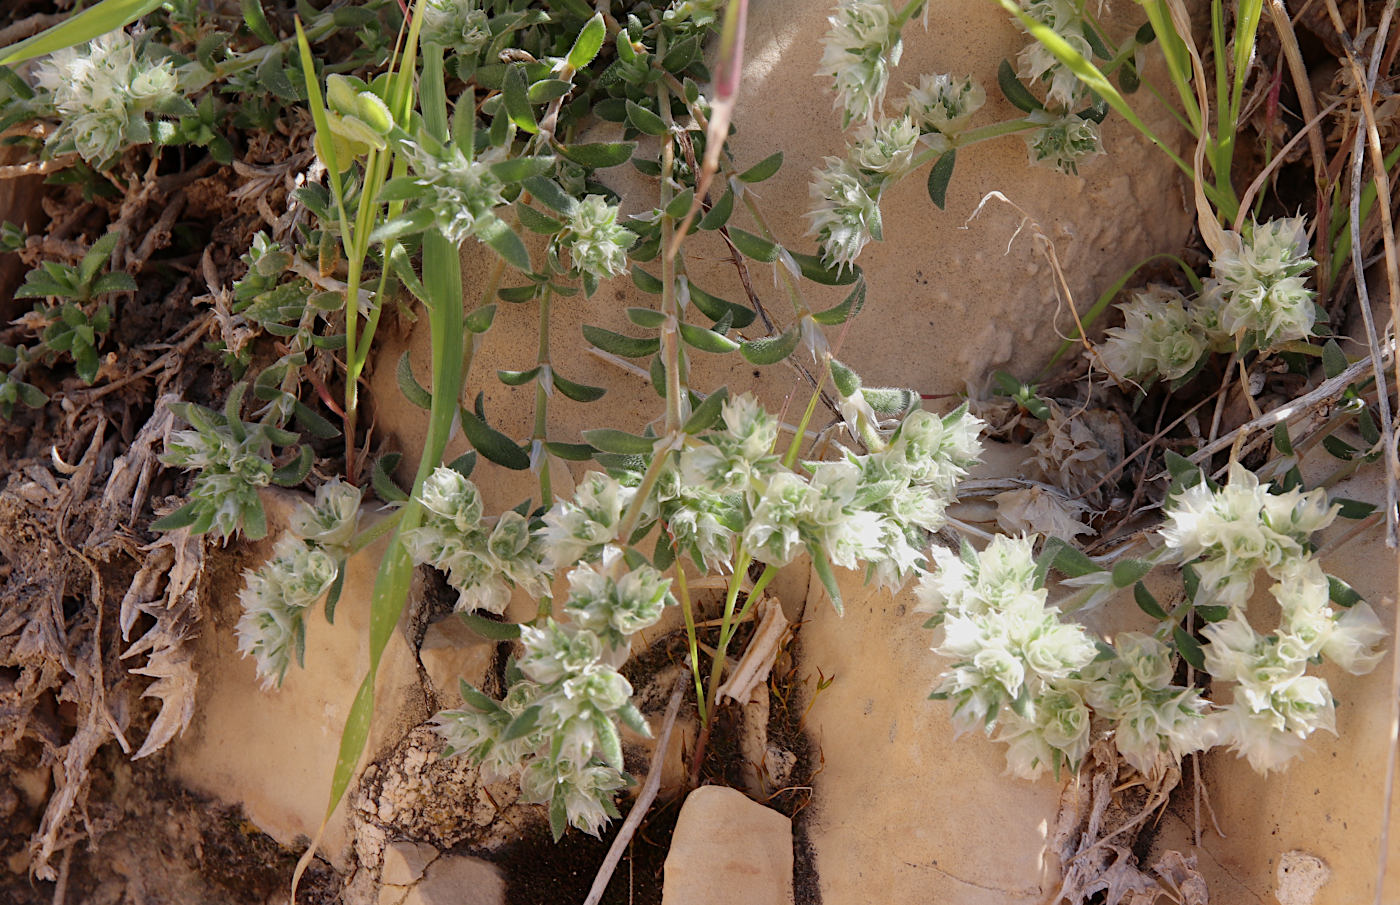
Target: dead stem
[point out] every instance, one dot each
(644, 800)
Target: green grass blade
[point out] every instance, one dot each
(109, 15)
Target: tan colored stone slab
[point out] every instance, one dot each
(273, 752)
(728, 850)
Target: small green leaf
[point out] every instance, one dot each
(571, 452)
(752, 246)
(626, 346)
(646, 317)
(1339, 448)
(680, 204)
(464, 464)
(518, 294)
(522, 725)
(1189, 647)
(1068, 560)
(771, 350)
(1282, 442)
(719, 212)
(180, 518)
(601, 155)
(548, 193)
(848, 308)
(717, 309)
(490, 629)
(333, 595)
(515, 96)
(764, 169)
(546, 90)
(1341, 593)
(295, 471)
(1147, 603)
(939, 175)
(537, 222)
(645, 281)
(1352, 509)
(619, 442)
(1212, 613)
(1129, 571)
(412, 390)
(493, 444)
(1178, 466)
(588, 43)
(578, 392)
(257, 21)
(479, 321)
(506, 243)
(707, 340)
(644, 120)
(813, 269)
(707, 412)
(312, 422)
(517, 378)
(1334, 360)
(822, 567)
(1014, 91)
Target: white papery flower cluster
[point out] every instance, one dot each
(944, 103)
(456, 25)
(464, 194)
(1258, 282)
(1063, 141)
(1257, 295)
(597, 244)
(1231, 532)
(858, 52)
(563, 709)
(846, 211)
(304, 565)
(103, 92)
(1017, 668)
(1015, 662)
(871, 511)
(1159, 337)
(484, 558)
(1037, 64)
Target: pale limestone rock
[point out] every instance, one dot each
(405, 862)
(273, 752)
(1300, 876)
(458, 880)
(728, 850)
(450, 652)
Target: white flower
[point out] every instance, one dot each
(463, 193)
(1353, 643)
(774, 535)
(941, 103)
(615, 610)
(580, 528)
(1159, 337)
(1240, 528)
(858, 52)
(597, 245)
(1038, 64)
(457, 25)
(1259, 282)
(332, 520)
(102, 93)
(886, 147)
(1063, 141)
(554, 652)
(846, 215)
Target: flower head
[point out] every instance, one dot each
(942, 103)
(103, 92)
(846, 215)
(457, 25)
(597, 245)
(1258, 282)
(886, 147)
(463, 194)
(857, 54)
(1159, 338)
(1038, 64)
(1063, 142)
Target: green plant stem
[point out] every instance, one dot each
(542, 398)
(374, 532)
(731, 597)
(677, 402)
(688, 610)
